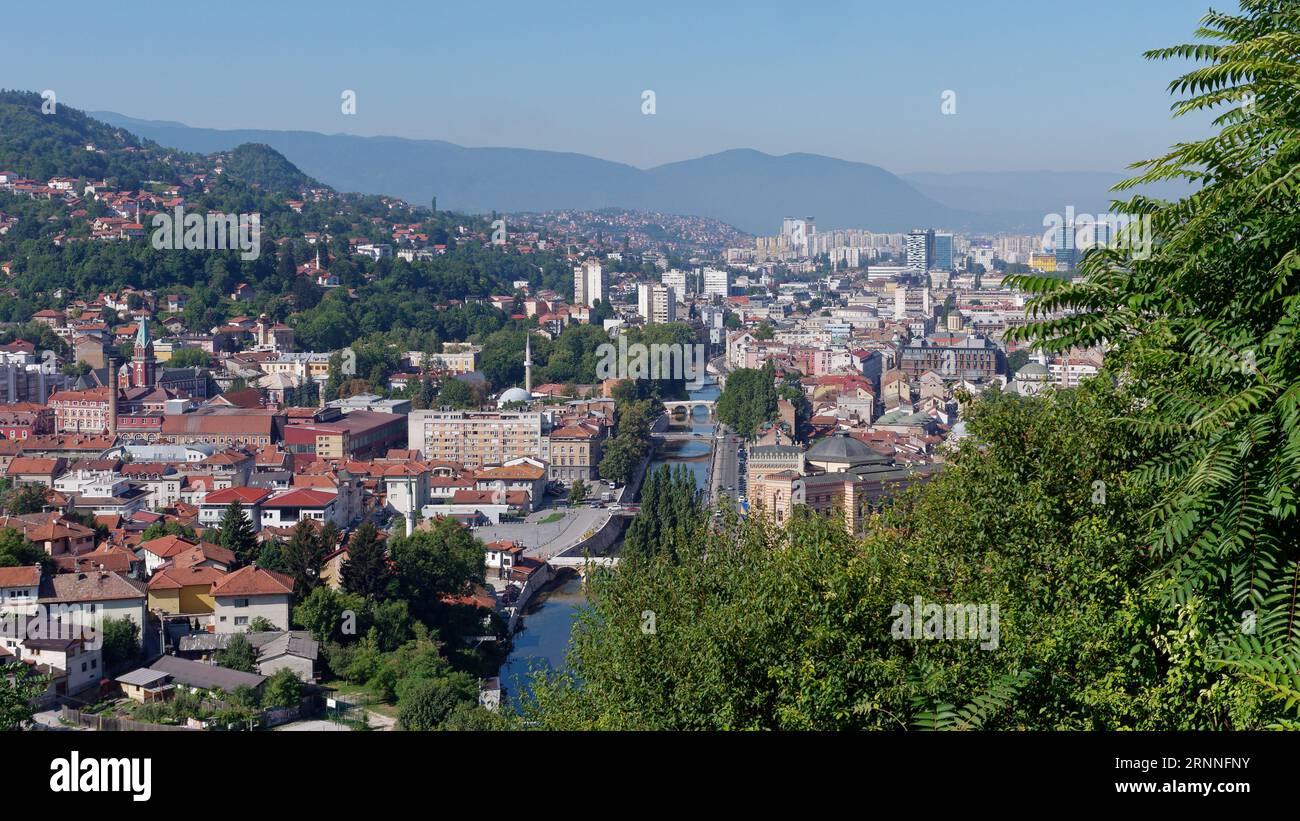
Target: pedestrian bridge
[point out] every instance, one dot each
(687, 407)
(582, 563)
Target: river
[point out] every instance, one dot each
(543, 638)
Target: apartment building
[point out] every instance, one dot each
(475, 439)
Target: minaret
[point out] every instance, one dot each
(410, 504)
(528, 363)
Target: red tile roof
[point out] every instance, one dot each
(253, 581)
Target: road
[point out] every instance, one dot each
(49, 720)
(542, 541)
(726, 466)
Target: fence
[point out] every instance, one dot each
(109, 724)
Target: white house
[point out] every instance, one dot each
(214, 505)
(286, 509)
(249, 593)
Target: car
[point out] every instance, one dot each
(615, 507)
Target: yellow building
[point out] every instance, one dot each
(183, 591)
(1043, 262)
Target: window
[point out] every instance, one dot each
(241, 602)
(241, 620)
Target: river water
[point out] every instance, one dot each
(543, 638)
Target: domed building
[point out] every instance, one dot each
(841, 452)
(1032, 378)
(513, 395)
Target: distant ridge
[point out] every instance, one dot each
(746, 188)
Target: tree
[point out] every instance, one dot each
(428, 702)
(456, 393)
(473, 718)
(190, 358)
(16, 551)
(618, 461)
(669, 517)
(121, 646)
(304, 556)
(283, 690)
(367, 571)
(239, 654)
(25, 499)
(261, 624)
(1017, 360)
(1196, 301)
(236, 534)
(443, 559)
(577, 492)
(324, 613)
(18, 689)
(749, 400)
(755, 626)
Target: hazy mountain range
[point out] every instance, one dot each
(746, 188)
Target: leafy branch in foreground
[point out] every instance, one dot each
(1202, 326)
(973, 715)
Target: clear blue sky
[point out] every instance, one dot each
(1039, 85)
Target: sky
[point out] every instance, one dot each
(1035, 85)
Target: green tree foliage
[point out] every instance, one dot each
(16, 551)
(443, 559)
(158, 530)
(577, 492)
(263, 166)
(428, 702)
(18, 687)
(1202, 316)
(304, 556)
(121, 647)
(25, 499)
(283, 690)
(456, 393)
(670, 517)
(754, 626)
(236, 534)
(367, 571)
(624, 452)
(190, 358)
(239, 654)
(472, 718)
(748, 401)
(323, 612)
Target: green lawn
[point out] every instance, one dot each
(554, 517)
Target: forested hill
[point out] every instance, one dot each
(78, 199)
(41, 138)
(262, 166)
(65, 142)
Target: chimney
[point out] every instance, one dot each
(112, 402)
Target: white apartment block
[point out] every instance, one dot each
(475, 438)
(717, 281)
(676, 280)
(589, 283)
(657, 304)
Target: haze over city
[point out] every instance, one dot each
(1038, 87)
